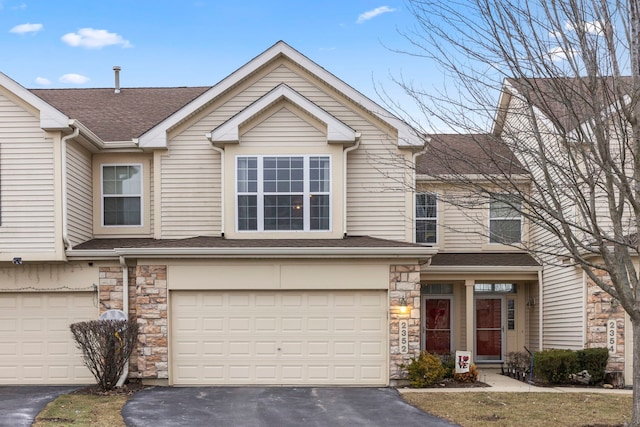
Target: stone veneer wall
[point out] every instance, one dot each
(599, 310)
(110, 294)
(151, 303)
(404, 281)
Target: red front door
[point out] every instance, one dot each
(438, 325)
(489, 328)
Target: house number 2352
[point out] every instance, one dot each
(404, 336)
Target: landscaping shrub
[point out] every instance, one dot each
(556, 366)
(449, 364)
(426, 370)
(106, 346)
(467, 377)
(594, 361)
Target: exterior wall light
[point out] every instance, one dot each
(403, 305)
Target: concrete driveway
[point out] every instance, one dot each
(273, 407)
(19, 405)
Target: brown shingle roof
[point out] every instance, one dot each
(218, 242)
(119, 116)
(484, 259)
(453, 154)
(571, 101)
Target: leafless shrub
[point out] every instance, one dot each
(106, 346)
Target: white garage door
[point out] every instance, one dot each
(36, 345)
(283, 337)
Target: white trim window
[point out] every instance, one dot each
(426, 218)
(121, 195)
(505, 220)
(283, 193)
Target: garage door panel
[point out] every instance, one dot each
(36, 344)
(279, 338)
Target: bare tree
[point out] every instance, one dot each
(569, 73)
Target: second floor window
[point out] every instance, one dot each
(426, 218)
(505, 221)
(122, 195)
(283, 193)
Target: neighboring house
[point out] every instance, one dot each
(264, 230)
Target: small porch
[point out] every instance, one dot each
(485, 303)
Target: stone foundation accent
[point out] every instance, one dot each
(151, 304)
(404, 281)
(601, 307)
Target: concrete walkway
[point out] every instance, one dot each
(501, 383)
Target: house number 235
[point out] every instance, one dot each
(404, 336)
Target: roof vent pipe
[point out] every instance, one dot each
(116, 70)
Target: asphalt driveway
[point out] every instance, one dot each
(19, 405)
(273, 407)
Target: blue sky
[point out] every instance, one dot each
(76, 43)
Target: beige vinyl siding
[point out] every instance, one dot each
(283, 129)
(190, 186)
(532, 331)
(459, 229)
(79, 194)
(563, 291)
(27, 177)
(191, 170)
(563, 311)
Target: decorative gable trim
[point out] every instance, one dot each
(50, 118)
(229, 131)
(157, 137)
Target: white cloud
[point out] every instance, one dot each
(558, 54)
(76, 79)
(373, 13)
(94, 39)
(595, 28)
(21, 6)
(26, 28)
(43, 81)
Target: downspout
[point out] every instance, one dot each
(540, 294)
(65, 225)
(346, 151)
(125, 308)
(222, 181)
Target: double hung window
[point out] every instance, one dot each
(426, 218)
(505, 220)
(283, 193)
(122, 195)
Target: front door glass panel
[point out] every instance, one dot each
(438, 325)
(489, 328)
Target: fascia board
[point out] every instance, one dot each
(157, 137)
(388, 253)
(336, 130)
(482, 269)
(50, 117)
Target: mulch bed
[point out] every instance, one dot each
(129, 388)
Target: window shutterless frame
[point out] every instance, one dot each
(270, 189)
(504, 219)
(426, 218)
(113, 188)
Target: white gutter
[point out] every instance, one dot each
(540, 294)
(125, 309)
(484, 269)
(262, 252)
(65, 221)
(222, 182)
(344, 181)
